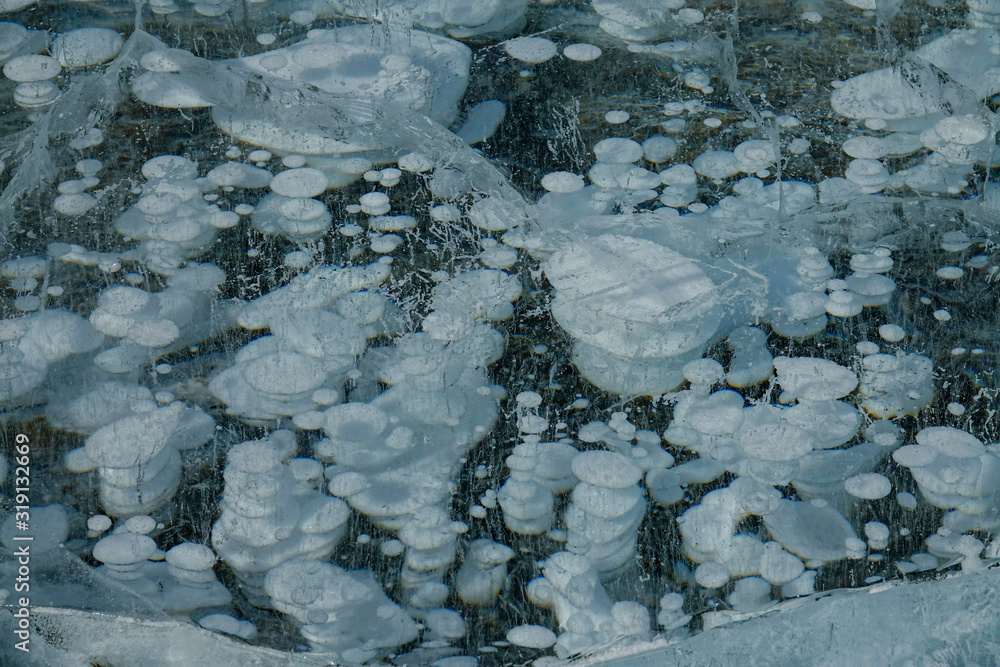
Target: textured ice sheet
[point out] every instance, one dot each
(83, 637)
(949, 622)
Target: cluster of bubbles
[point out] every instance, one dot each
(292, 368)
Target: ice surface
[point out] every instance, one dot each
(939, 620)
(442, 335)
(114, 638)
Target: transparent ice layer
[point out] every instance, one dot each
(490, 333)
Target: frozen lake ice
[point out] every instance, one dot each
(425, 332)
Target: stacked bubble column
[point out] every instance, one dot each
(607, 507)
